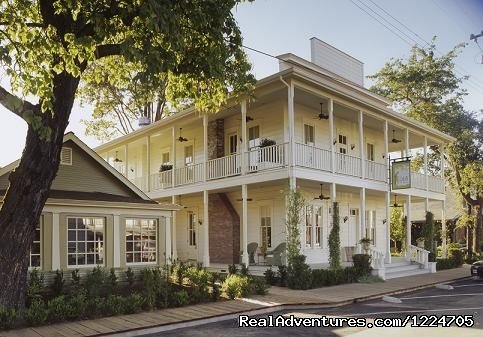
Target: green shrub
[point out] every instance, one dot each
(77, 306)
(35, 286)
(330, 277)
(457, 255)
(431, 257)
(95, 282)
(112, 282)
(95, 307)
(130, 277)
(149, 288)
(244, 269)
(178, 272)
(236, 286)
(7, 317)
(36, 313)
(270, 276)
(75, 280)
(232, 269)
(199, 280)
(369, 279)
(258, 286)
(57, 309)
(299, 275)
(215, 292)
(58, 284)
(133, 304)
(181, 298)
(282, 275)
(114, 305)
(362, 264)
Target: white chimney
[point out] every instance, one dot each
(336, 61)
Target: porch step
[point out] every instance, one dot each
(402, 269)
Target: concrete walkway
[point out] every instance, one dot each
(277, 299)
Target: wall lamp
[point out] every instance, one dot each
(353, 146)
(334, 142)
(384, 221)
(346, 218)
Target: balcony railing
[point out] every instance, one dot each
(140, 182)
(376, 171)
(348, 165)
(161, 180)
(312, 157)
(223, 167)
(435, 184)
(189, 174)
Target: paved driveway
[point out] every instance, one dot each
(465, 299)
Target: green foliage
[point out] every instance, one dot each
(265, 142)
(299, 275)
(112, 282)
(334, 238)
(58, 284)
(179, 271)
(331, 277)
(398, 225)
(114, 305)
(182, 298)
(75, 280)
(57, 309)
(130, 277)
(258, 285)
(236, 286)
(199, 280)
(36, 313)
(294, 204)
(429, 233)
(370, 279)
(35, 285)
(454, 260)
(7, 317)
(362, 264)
(77, 306)
(282, 275)
(244, 269)
(457, 255)
(270, 276)
(133, 304)
(95, 282)
(232, 269)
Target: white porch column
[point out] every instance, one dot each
(291, 134)
(245, 225)
(117, 241)
(173, 156)
(361, 144)
(148, 163)
(388, 227)
(362, 214)
(168, 240)
(386, 143)
(425, 161)
(406, 142)
(55, 241)
(173, 231)
(126, 162)
(206, 231)
(441, 160)
(331, 134)
(408, 224)
(443, 227)
(205, 147)
(244, 153)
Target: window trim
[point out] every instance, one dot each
(268, 214)
(313, 133)
(156, 225)
(192, 231)
(69, 150)
(77, 266)
(41, 244)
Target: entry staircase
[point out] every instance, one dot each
(415, 263)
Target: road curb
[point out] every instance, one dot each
(267, 310)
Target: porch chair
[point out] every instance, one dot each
(251, 249)
(276, 257)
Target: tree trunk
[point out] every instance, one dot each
(469, 237)
(478, 227)
(28, 191)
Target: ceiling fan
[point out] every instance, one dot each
(248, 199)
(394, 139)
(396, 205)
(321, 196)
(181, 138)
(322, 115)
(247, 118)
(117, 160)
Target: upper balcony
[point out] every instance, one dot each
(348, 145)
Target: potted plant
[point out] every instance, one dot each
(420, 242)
(165, 167)
(366, 243)
(267, 142)
(268, 158)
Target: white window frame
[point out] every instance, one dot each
(103, 252)
(318, 225)
(257, 145)
(266, 230)
(141, 241)
(70, 154)
(310, 126)
(231, 134)
(166, 152)
(191, 229)
(192, 155)
(309, 225)
(370, 152)
(39, 229)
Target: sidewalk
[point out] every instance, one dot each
(277, 299)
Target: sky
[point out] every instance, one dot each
(281, 26)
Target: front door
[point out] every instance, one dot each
(192, 235)
(253, 146)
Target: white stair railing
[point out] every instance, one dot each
(377, 257)
(418, 255)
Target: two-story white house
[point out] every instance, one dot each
(327, 135)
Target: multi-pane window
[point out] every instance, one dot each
(191, 229)
(370, 230)
(309, 135)
(232, 143)
(188, 155)
(318, 225)
(266, 227)
(85, 241)
(370, 152)
(141, 240)
(308, 226)
(342, 144)
(253, 137)
(165, 158)
(35, 247)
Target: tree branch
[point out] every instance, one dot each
(15, 104)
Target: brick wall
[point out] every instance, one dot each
(216, 139)
(224, 231)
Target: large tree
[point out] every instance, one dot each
(426, 88)
(46, 46)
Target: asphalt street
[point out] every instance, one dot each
(465, 299)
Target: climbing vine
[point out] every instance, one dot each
(334, 238)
